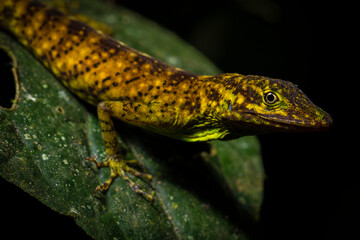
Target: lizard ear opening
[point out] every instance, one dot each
(230, 105)
(10, 90)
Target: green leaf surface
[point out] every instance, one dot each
(202, 190)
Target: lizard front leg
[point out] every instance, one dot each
(117, 165)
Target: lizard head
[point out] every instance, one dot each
(255, 104)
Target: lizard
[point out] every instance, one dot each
(140, 90)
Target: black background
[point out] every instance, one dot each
(312, 182)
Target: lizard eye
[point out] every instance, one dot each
(271, 98)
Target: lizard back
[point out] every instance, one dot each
(91, 64)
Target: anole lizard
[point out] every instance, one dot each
(134, 87)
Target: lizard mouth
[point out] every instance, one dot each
(321, 121)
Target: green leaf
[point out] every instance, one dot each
(202, 190)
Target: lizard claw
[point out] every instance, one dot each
(119, 167)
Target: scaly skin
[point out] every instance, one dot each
(140, 90)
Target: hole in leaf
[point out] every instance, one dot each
(60, 110)
(9, 90)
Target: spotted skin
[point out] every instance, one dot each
(129, 85)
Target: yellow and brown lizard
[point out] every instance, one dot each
(140, 90)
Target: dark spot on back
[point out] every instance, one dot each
(53, 14)
(33, 7)
(107, 43)
(213, 94)
(132, 80)
(74, 27)
(106, 79)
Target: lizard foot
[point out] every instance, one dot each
(119, 167)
